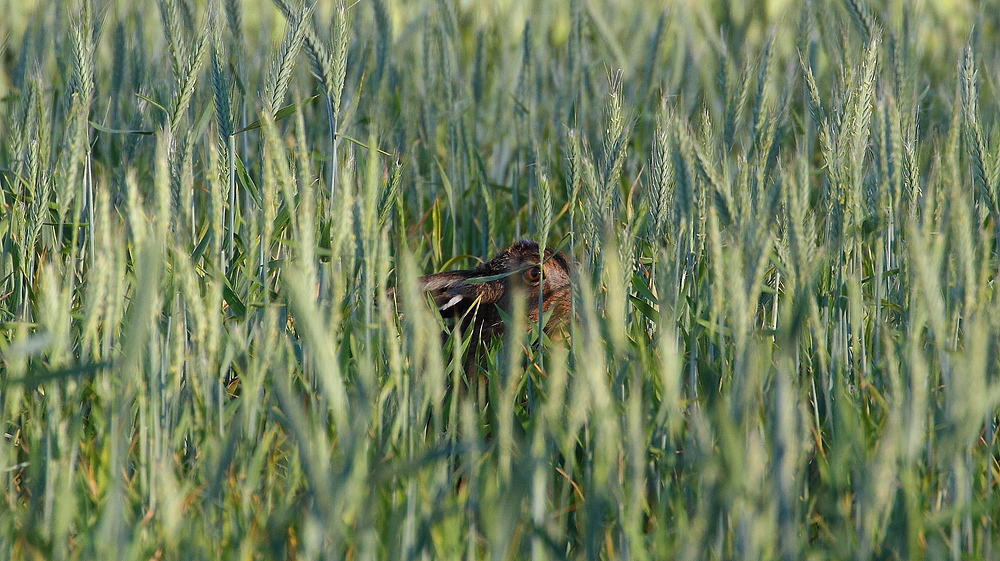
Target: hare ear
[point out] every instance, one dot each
(439, 282)
(452, 295)
(455, 299)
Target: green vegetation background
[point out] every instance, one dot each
(784, 219)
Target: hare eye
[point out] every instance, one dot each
(533, 274)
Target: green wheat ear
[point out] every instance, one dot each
(783, 222)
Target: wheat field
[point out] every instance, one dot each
(784, 219)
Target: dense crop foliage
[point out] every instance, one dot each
(785, 224)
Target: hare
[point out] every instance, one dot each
(477, 295)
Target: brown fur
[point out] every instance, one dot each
(476, 305)
(517, 269)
